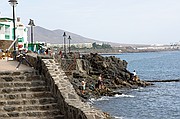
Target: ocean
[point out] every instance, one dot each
(159, 101)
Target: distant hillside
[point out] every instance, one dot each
(55, 37)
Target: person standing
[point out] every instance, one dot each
(135, 78)
(134, 73)
(100, 82)
(60, 53)
(83, 87)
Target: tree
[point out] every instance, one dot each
(106, 46)
(94, 45)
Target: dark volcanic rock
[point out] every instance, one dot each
(114, 74)
(110, 67)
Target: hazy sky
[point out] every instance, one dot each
(122, 21)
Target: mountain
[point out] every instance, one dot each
(56, 36)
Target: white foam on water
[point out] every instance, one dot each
(124, 95)
(92, 100)
(103, 98)
(140, 88)
(116, 117)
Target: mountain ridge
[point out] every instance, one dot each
(42, 34)
(56, 36)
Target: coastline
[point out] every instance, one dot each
(155, 96)
(116, 51)
(114, 73)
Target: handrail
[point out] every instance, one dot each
(13, 43)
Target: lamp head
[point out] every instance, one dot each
(31, 23)
(69, 37)
(64, 35)
(13, 2)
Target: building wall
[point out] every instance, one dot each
(6, 29)
(7, 34)
(21, 31)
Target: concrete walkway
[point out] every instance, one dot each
(11, 66)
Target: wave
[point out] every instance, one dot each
(104, 98)
(116, 117)
(99, 99)
(140, 88)
(124, 95)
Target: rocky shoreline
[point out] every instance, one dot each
(114, 76)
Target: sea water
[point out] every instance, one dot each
(160, 101)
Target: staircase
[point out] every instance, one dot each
(25, 95)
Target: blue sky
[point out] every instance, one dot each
(122, 21)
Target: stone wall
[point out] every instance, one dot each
(70, 103)
(4, 44)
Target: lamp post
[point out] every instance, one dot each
(14, 3)
(64, 36)
(31, 23)
(69, 38)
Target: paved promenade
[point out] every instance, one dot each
(11, 66)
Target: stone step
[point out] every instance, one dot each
(26, 95)
(12, 108)
(24, 89)
(19, 78)
(23, 84)
(16, 73)
(43, 101)
(45, 117)
(53, 117)
(40, 114)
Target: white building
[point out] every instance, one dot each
(6, 29)
(7, 34)
(21, 31)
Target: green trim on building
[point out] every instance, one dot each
(21, 39)
(13, 33)
(3, 19)
(7, 36)
(7, 26)
(2, 24)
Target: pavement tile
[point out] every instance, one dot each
(11, 66)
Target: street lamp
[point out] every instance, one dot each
(31, 23)
(14, 3)
(69, 38)
(64, 35)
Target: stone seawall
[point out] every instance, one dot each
(71, 105)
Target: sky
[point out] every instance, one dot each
(121, 21)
